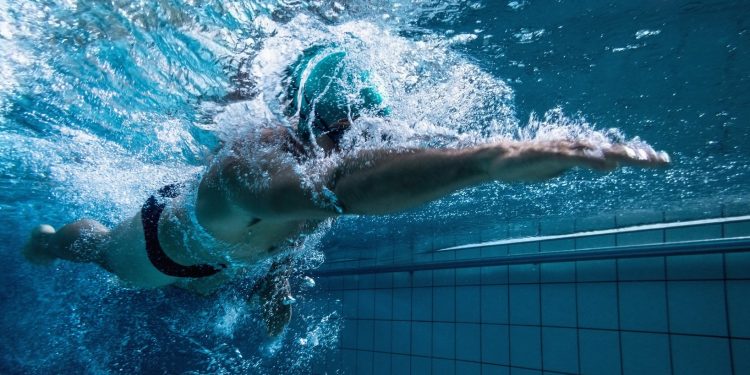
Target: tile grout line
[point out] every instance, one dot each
(726, 311)
(666, 296)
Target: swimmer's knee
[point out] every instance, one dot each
(81, 241)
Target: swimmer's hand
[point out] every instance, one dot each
(541, 160)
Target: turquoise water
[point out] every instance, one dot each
(101, 103)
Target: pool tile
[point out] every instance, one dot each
(401, 279)
(384, 280)
(444, 255)
(597, 305)
(401, 337)
(645, 353)
(330, 283)
(560, 351)
(475, 253)
(559, 304)
(468, 368)
(524, 304)
(692, 233)
(421, 338)
(444, 344)
(382, 336)
(400, 364)
(384, 255)
(421, 365)
(364, 334)
(468, 276)
(646, 237)
(697, 307)
(488, 369)
(595, 242)
(700, 355)
(444, 304)
(695, 267)
(467, 342)
(737, 229)
(558, 272)
(421, 304)
(468, 306)
(741, 356)
(349, 334)
(366, 307)
(364, 363)
(402, 304)
(557, 245)
(738, 265)
(600, 352)
(383, 304)
(494, 304)
(524, 371)
(643, 306)
(443, 366)
(495, 275)
(494, 251)
(366, 281)
(349, 361)
(350, 302)
(495, 344)
(597, 270)
(523, 248)
(444, 277)
(381, 363)
(523, 273)
(738, 300)
(641, 269)
(525, 347)
(422, 278)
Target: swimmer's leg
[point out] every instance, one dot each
(80, 242)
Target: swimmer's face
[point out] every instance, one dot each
(329, 141)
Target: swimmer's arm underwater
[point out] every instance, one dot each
(386, 181)
(381, 182)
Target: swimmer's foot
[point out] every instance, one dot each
(37, 249)
(276, 303)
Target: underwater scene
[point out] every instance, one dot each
(632, 256)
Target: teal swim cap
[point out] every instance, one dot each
(323, 92)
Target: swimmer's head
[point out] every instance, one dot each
(327, 91)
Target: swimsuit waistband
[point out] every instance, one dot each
(150, 213)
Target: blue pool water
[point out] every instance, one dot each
(101, 103)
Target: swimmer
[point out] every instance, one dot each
(200, 236)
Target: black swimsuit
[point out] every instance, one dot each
(150, 213)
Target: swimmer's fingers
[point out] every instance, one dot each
(645, 157)
(607, 158)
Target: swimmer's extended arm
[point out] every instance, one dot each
(385, 181)
(379, 182)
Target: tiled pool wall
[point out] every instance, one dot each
(686, 314)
